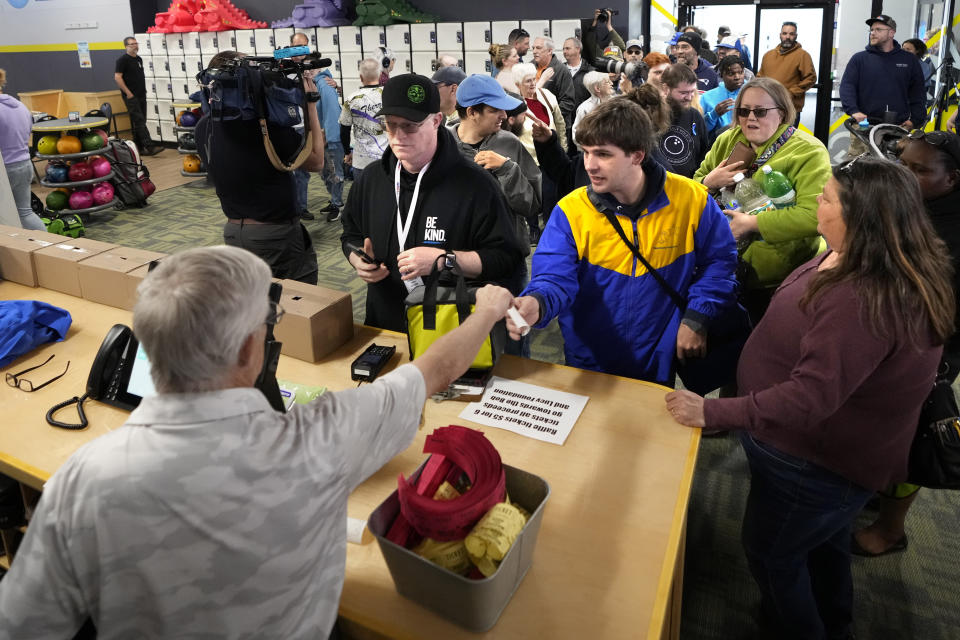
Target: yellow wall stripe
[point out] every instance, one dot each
(62, 46)
(669, 16)
(935, 38)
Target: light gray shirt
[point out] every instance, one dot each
(207, 515)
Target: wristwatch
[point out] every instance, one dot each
(449, 260)
(313, 96)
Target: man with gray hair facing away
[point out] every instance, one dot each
(359, 123)
(209, 514)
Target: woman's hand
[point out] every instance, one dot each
(686, 408)
(741, 223)
(545, 76)
(722, 175)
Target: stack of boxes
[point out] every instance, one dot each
(171, 61)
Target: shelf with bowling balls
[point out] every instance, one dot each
(187, 145)
(78, 173)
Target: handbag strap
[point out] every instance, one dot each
(431, 284)
(677, 298)
(772, 149)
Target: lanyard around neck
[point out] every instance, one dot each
(403, 226)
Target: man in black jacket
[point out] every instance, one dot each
(561, 84)
(421, 205)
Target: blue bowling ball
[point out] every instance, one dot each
(188, 120)
(57, 173)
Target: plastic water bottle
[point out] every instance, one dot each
(750, 195)
(777, 187)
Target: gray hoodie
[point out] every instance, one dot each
(15, 125)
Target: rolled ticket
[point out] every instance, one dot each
(518, 320)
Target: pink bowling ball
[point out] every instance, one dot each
(103, 193)
(100, 166)
(81, 200)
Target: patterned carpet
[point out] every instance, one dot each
(912, 595)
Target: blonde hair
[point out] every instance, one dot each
(3, 78)
(499, 53)
(777, 92)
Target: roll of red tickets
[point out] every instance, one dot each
(444, 520)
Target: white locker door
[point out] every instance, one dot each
(563, 29)
(152, 112)
(191, 43)
(143, 39)
(350, 39)
(178, 68)
(449, 36)
(398, 37)
(181, 89)
(147, 67)
(153, 126)
(326, 42)
(422, 62)
(372, 37)
(403, 63)
(536, 28)
(161, 67)
(477, 62)
(165, 90)
(227, 41)
(263, 42)
(194, 66)
(174, 43)
(476, 36)
(166, 131)
(350, 85)
(281, 37)
(209, 42)
(501, 30)
(165, 109)
(350, 65)
(458, 55)
(246, 41)
(158, 44)
(423, 37)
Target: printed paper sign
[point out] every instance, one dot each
(83, 52)
(532, 411)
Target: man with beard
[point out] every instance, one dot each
(482, 106)
(685, 143)
(717, 103)
(790, 65)
(688, 53)
(519, 39)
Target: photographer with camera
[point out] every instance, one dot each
(259, 199)
(601, 34)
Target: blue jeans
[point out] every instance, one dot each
(20, 175)
(301, 178)
(332, 173)
(796, 535)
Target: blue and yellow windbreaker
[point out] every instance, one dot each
(614, 316)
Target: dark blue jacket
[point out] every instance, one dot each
(875, 80)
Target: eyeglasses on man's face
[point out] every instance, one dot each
(275, 314)
(15, 379)
(408, 128)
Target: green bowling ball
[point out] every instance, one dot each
(57, 200)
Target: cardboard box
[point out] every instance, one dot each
(475, 605)
(135, 277)
(56, 265)
(317, 320)
(105, 278)
(17, 247)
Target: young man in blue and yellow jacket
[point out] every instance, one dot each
(614, 316)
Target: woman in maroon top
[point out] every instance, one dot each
(831, 382)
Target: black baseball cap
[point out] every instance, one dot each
(884, 20)
(410, 96)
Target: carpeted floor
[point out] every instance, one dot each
(907, 596)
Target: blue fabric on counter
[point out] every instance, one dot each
(26, 324)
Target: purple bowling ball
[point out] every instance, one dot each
(103, 193)
(188, 119)
(81, 200)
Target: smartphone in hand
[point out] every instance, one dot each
(360, 253)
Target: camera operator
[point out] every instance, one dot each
(601, 34)
(258, 199)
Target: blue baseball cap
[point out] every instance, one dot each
(483, 89)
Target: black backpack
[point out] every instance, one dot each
(131, 177)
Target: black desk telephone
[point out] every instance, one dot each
(109, 377)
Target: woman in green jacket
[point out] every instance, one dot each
(778, 240)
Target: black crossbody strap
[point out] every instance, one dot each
(677, 298)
